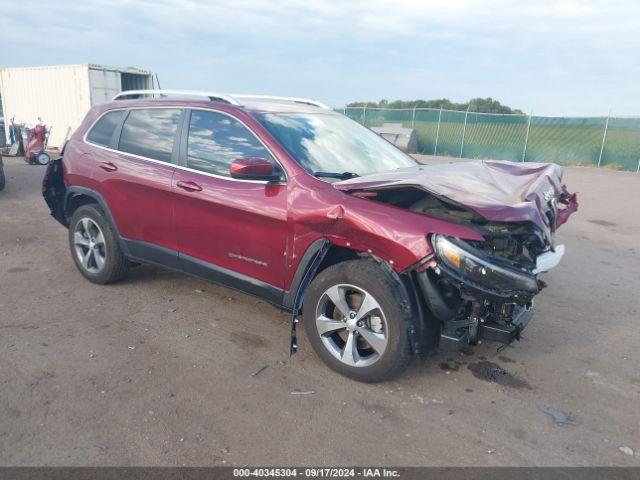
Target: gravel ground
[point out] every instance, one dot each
(157, 369)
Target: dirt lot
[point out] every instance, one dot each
(157, 369)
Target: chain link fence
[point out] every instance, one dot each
(608, 141)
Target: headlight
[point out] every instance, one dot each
(472, 268)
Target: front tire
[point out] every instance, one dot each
(94, 246)
(355, 323)
(2, 180)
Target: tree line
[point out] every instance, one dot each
(479, 105)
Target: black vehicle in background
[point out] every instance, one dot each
(3, 144)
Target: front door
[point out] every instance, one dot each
(229, 230)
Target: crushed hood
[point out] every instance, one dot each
(497, 190)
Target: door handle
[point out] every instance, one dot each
(189, 186)
(108, 166)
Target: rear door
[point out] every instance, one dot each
(229, 230)
(135, 176)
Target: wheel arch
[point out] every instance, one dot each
(76, 196)
(322, 254)
(329, 253)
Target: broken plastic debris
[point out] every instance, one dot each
(259, 371)
(199, 290)
(626, 450)
(560, 418)
(491, 451)
(297, 391)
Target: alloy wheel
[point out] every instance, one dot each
(88, 241)
(352, 325)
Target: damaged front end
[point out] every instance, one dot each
(475, 296)
(483, 288)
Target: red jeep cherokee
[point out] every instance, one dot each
(287, 200)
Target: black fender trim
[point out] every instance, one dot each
(77, 190)
(290, 296)
(315, 253)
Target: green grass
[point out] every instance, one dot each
(558, 140)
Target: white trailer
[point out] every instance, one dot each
(62, 95)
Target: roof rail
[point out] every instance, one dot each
(306, 101)
(210, 95)
(224, 97)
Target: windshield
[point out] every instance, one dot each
(326, 143)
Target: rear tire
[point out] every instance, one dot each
(2, 180)
(94, 246)
(368, 347)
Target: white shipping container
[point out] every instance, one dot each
(62, 95)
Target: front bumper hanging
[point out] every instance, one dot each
(492, 316)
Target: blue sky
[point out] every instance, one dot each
(552, 57)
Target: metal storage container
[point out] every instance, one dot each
(403, 138)
(62, 95)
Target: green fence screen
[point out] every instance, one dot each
(613, 142)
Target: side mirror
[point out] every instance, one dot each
(253, 168)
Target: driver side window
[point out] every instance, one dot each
(216, 140)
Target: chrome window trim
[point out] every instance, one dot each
(140, 157)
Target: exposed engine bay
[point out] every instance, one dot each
(517, 242)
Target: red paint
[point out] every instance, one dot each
(257, 229)
(498, 191)
(231, 223)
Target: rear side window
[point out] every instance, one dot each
(150, 133)
(216, 140)
(102, 131)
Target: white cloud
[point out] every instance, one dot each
(518, 51)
